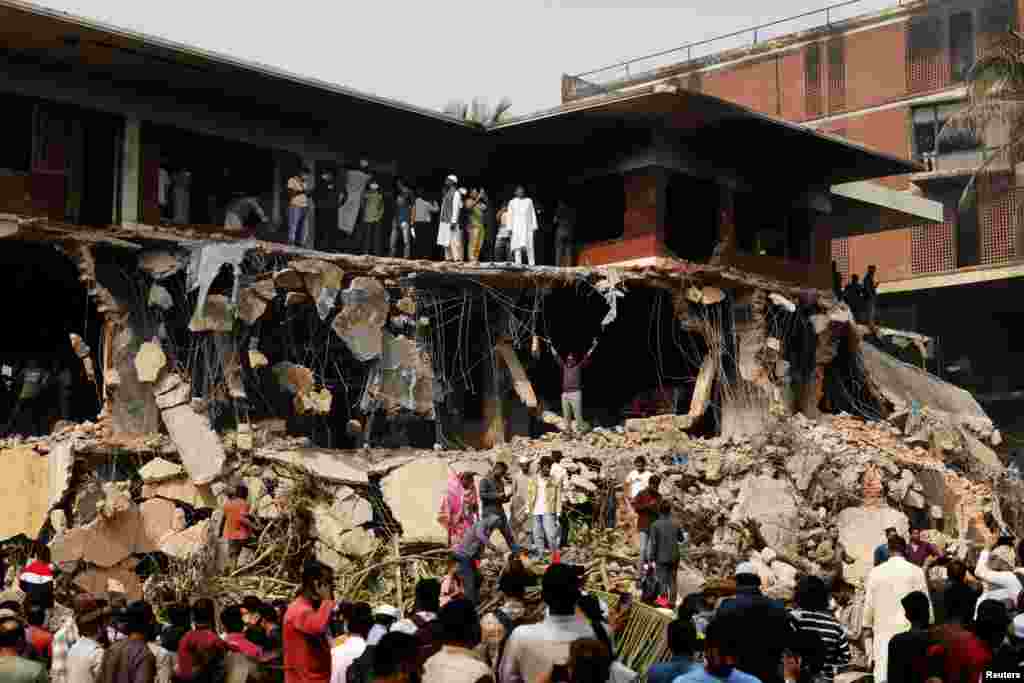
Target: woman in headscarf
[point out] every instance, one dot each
(459, 507)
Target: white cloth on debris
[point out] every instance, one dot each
(523, 220)
(348, 214)
(887, 585)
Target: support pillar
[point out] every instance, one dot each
(131, 170)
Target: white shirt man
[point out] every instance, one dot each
(343, 655)
(637, 482)
(887, 585)
(1001, 586)
(522, 218)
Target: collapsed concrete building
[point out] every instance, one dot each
(206, 358)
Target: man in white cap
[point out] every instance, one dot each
(449, 234)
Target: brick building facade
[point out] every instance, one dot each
(887, 80)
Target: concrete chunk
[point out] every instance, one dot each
(413, 492)
(149, 361)
(861, 529)
(198, 445)
(187, 543)
(361, 320)
(158, 469)
(333, 466)
(183, 490)
(24, 492)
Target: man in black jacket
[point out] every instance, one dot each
(758, 614)
(663, 551)
(493, 499)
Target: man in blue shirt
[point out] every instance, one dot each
(721, 645)
(682, 641)
(882, 551)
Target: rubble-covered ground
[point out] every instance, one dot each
(802, 497)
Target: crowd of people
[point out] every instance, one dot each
(456, 224)
(969, 630)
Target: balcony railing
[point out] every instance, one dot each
(605, 78)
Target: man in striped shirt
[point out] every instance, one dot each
(812, 614)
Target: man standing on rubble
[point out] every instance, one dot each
(572, 387)
(646, 505)
(542, 496)
(493, 499)
(561, 478)
(237, 524)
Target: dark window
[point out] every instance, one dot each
(764, 227)
(812, 79)
(16, 136)
(961, 45)
(600, 209)
(928, 122)
(836, 74)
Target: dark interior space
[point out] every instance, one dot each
(16, 135)
(99, 166)
(982, 335)
(770, 225)
(49, 303)
(644, 361)
(691, 220)
(207, 171)
(600, 205)
(846, 386)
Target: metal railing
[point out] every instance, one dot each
(748, 37)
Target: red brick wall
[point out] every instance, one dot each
(886, 131)
(752, 84)
(641, 216)
(933, 248)
(874, 61)
(888, 250)
(791, 78)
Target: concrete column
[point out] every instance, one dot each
(276, 209)
(131, 170)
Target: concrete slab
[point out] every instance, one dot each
(24, 492)
(198, 445)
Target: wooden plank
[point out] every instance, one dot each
(520, 380)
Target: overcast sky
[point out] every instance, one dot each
(428, 53)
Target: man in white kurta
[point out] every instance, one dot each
(449, 235)
(887, 585)
(522, 218)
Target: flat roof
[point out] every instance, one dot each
(26, 25)
(729, 133)
(726, 134)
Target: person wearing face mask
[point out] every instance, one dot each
(721, 647)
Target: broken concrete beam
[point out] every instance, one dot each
(149, 361)
(520, 380)
(61, 460)
(160, 264)
(322, 281)
(702, 388)
(200, 448)
(296, 298)
(333, 466)
(360, 321)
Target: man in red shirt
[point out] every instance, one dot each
(234, 632)
(36, 635)
(201, 647)
(307, 653)
(237, 524)
(960, 656)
